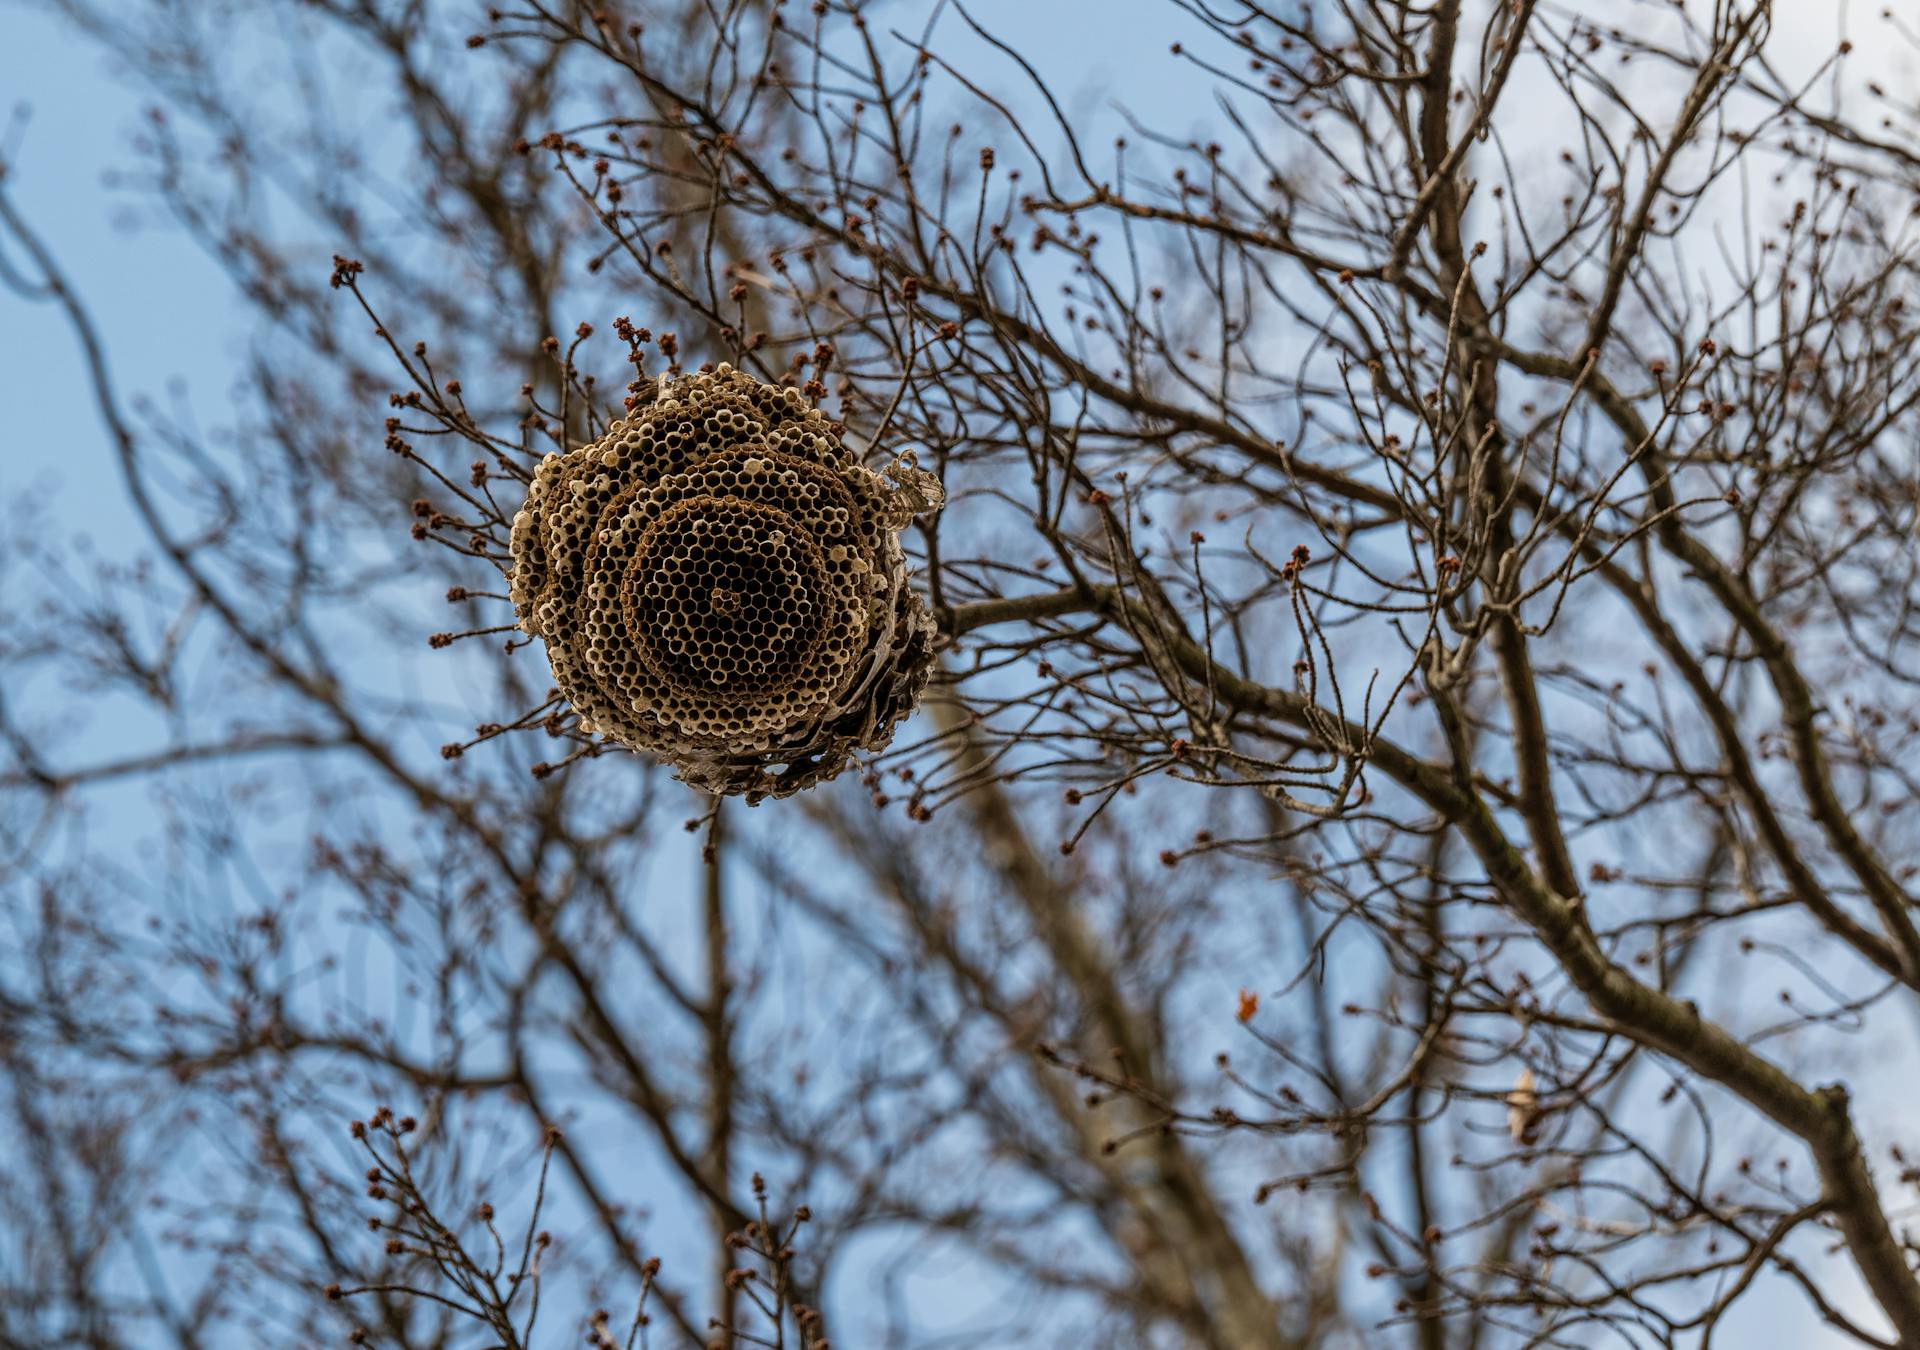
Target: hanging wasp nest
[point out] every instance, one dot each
(720, 582)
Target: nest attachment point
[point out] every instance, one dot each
(719, 582)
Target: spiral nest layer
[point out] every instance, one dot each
(720, 582)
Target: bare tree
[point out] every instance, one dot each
(1410, 841)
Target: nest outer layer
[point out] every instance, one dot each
(719, 582)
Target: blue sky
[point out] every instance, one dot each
(171, 318)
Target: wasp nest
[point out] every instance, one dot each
(720, 582)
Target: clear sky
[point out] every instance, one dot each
(170, 317)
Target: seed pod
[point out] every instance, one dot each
(719, 582)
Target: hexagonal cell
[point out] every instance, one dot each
(720, 583)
